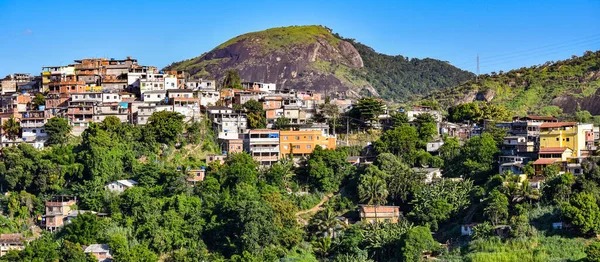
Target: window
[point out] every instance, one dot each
(568, 139)
(557, 139)
(285, 147)
(285, 138)
(307, 146)
(309, 137)
(297, 138)
(296, 147)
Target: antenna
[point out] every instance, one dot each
(477, 67)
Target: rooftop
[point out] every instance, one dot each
(553, 150)
(546, 161)
(558, 124)
(97, 248)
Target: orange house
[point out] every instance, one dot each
(303, 142)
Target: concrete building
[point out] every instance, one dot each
(258, 86)
(10, 83)
(57, 210)
(120, 185)
(100, 251)
(263, 145)
(380, 214)
(10, 242)
(566, 134)
(32, 128)
(417, 110)
(304, 141)
(226, 122)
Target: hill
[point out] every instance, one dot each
(311, 57)
(544, 89)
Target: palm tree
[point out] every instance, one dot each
(12, 128)
(327, 223)
(373, 190)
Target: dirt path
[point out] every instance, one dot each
(317, 207)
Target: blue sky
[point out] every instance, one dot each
(506, 34)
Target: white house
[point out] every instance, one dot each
(120, 185)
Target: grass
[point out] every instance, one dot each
(275, 38)
(541, 248)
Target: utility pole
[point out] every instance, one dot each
(478, 68)
(347, 128)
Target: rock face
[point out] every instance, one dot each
(302, 57)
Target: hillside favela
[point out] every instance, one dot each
(351, 131)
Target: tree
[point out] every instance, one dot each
(417, 240)
(166, 126)
(592, 252)
(39, 99)
(465, 112)
(426, 127)
(398, 119)
(11, 128)
(83, 229)
(582, 212)
(437, 202)
(372, 188)
(330, 111)
(324, 170)
(370, 108)
(232, 80)
(282, 123)
(325, 223)
(255, 114)
(194, 132)
(496, 207)
(401, 141)
(476, 159)
(58, 130)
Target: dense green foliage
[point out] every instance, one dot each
(399, 78)
(291, 210)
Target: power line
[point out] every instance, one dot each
(578, 41)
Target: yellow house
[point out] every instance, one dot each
(564, 134)
(303, 142)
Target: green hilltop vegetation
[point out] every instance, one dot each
(284, 37)
(398, 78)
(549, 89)
(395, 78)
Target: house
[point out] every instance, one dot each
(417, 110)
(373, 213)
(213, 158)
(304, 141)
(57, 210)
(263, 145)
(226, 122)
(431, 174)
(565, 134)
(467, 229)
(434, 146)
(513, 164)
(258, 86)
(99, 251)
(195, 175)
(10, 242)
(120, 185)
(233, 145)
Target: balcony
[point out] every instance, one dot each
(265, 149)
(80, 111)
(32, 124)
